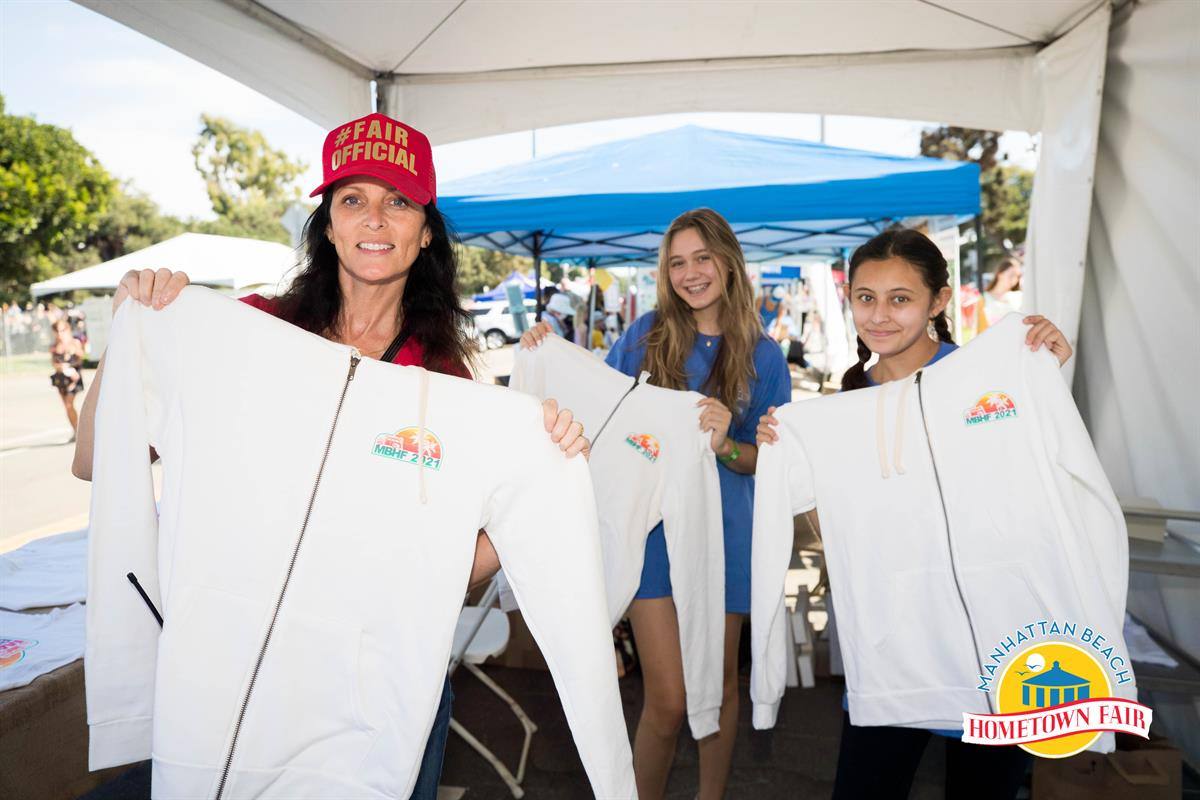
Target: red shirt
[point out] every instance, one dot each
(412, 354)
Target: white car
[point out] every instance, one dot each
(494, 322)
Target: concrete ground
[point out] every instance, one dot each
(38, 494)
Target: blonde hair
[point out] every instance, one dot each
(673, 333)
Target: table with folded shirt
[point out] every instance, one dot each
(43, 718)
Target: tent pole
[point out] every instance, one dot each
(591, 302)
(979, 253)
(537, 274)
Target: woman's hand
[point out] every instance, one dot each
(154, 288)
(765, 433)
(533, 337)
(1044, 332)
(715, 417)
(564, 430)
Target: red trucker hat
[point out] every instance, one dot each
(383, 148)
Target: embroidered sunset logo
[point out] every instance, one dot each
(991, 407)
(645, 444)
(404, 445)
(13, 650)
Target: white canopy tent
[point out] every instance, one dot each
(221, 261)
(459, 69)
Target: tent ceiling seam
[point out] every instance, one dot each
(426, 37)
(977, 21)
(301, 36)
(708, 64)
(1091, 12)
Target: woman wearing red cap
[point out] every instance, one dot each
(379, 274)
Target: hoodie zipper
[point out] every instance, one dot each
(946, 516)
(262, 652)
(636, 382)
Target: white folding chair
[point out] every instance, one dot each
(483, 632)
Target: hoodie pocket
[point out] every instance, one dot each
(206, 654)
(1004, 599)
(306, 709)
(921, 604)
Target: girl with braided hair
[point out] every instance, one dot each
(899, 290)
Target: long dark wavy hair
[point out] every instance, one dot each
(925, 257)
(430, 311)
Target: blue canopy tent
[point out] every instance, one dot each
(609, 204)
(526, 282)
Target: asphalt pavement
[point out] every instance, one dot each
(38, 494)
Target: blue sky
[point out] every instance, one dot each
(136, 104)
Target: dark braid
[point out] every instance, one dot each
(941, 323)
(856, 376)
(915, 248)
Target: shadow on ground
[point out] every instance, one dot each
(795, 760)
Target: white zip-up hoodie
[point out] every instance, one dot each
(956, 506)
(318, 523)
(650, 463)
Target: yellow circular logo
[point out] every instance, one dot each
(1048, 675)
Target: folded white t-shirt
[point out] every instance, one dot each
(46, 572)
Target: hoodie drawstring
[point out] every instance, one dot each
(881, 426)
(880, 443)
(422, 403)
(898, 460)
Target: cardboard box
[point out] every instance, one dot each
(1137, 770)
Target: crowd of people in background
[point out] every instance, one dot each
(30, 328)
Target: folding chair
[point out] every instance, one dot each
(483, 632)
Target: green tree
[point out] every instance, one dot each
(131, 221)
(53, 194)
(249, 183)
(479, 268)
(1005, 189)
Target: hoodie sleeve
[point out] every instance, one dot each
(529, 371)
(541, 517)
(783, 489)
(1088, 497)
(692, 525)
(122, 636)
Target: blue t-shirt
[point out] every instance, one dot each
(771, 386)
(944, 349)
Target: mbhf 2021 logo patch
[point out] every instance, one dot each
(645, 444)
(991, 407)
(1054, 699)
(406, 445)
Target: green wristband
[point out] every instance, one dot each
(733, 454)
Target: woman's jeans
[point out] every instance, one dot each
(435, 749)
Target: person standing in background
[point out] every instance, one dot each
(66, 356)
(1003, 295)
